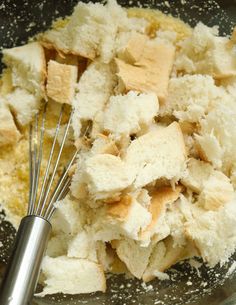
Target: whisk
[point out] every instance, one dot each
(22, 273)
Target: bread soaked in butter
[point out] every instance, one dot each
(155, 182)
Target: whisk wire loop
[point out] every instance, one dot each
(43, 204)
(56, 166)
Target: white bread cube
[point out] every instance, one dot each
(197, 174)
(132, 46)
(82, 245)
(190, 97)
(161, 198)
(104, 145)
(28, 67)
(128, 216)
(104, 176)
(166, 36)
(58, 244)
(209, 149)
(157, 154)
(155, 262)
(213, 232)
(9, 133)
(164, 255)
(94, 89)
(23, 104)
(135, 257)
(127, 114)
(69, 217)
(216, 192)
(90, 31)
(61, 81)
(214, 188)
(217, 138)
(204, 52)
(72, 276)
(150, 73)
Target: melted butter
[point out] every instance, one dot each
(14, 174)
(160, 21)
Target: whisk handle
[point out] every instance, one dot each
(22, 273)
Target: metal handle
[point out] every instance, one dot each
(24, 265)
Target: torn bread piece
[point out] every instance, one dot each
(128, 114)
(58, 245)
(104, 145)
(166, 37)
(213, 232)
(23, 104)
(103, 175)
(106, 175)
(61, 81)
(135, 257)
(82, 245)
(132, 47)
(214, 187)
(71, 275)
(197, 174)
(205, 46)
(127, 211)
(91, 31)
(94, 89)
(9, 133)
(28, 67)
(160, 199)
(217, 134)
(151, 70)
(157, 154)
(69, 217)
(216, 192)
(126, 217)
(120, 209)
(209, 149)
(190, 97)
(164, 255)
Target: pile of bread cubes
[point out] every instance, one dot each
(155, 182)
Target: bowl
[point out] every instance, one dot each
(198, 285)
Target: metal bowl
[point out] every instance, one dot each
(20, 20)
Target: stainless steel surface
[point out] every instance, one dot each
(24, 265)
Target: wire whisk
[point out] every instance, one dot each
(23, 269)
(43, 206)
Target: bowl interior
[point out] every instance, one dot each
(20, 20)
